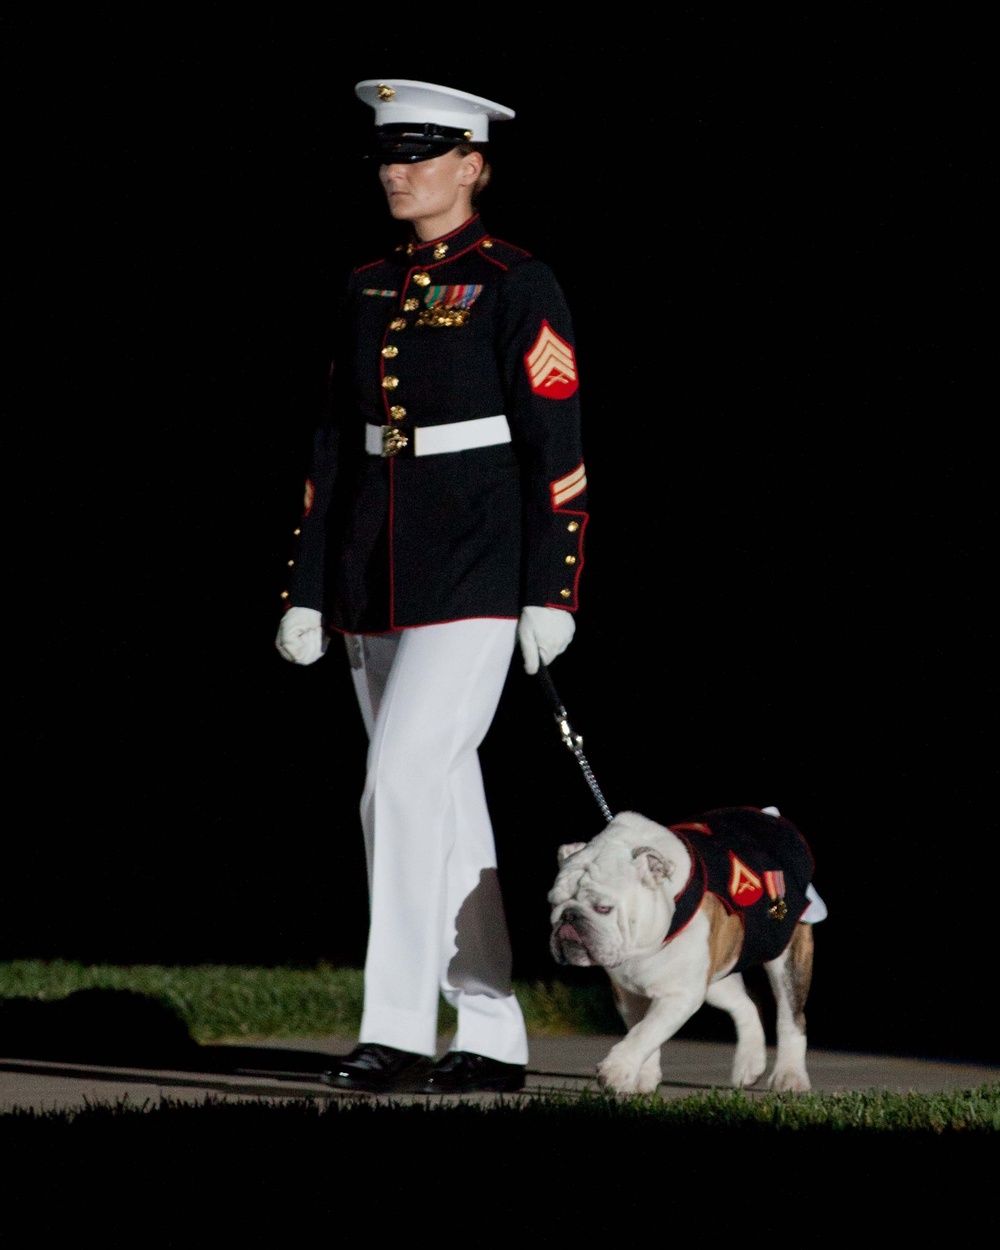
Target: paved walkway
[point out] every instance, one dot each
(289, 1070)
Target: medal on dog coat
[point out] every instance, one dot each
(757, 865)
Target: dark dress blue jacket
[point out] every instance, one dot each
(452, 330)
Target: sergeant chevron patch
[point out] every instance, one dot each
(551, 365)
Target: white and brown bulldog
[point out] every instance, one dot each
(674, 915)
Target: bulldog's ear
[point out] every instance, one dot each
(653, 868)
(568, 849)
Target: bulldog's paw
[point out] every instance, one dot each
(789, 1080)
(650, 1075)
(617, 1078)
(620, 1075)
(748, 1065)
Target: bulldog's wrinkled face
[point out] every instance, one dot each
(607, 902)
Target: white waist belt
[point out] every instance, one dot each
(432, 440)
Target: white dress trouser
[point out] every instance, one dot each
(427, 696)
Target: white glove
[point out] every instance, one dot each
(300, 636)
(543, 633)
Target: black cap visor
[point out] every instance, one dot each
(404, 144)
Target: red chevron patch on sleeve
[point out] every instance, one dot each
(551, 365)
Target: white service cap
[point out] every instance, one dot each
(415, 121)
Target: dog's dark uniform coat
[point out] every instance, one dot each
(753, 862)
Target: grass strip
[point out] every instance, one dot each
(863, 1116)
(217, 1003)
(956, 1113)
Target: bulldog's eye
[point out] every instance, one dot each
(602, 909)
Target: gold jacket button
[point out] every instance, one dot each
(390, 351)
(397, 412)
(487, 243)
(284, 594)
(566, 594)
(397, 323)
(573, 526)
(422, 279)
(389, 383)
(410, 249)
(441, 251)
(571, 559)
(411, 305)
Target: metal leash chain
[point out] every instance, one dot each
(573, 741)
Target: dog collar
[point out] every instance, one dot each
(689, 900)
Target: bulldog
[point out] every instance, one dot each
(674, 914)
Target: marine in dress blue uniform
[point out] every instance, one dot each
(444, 517)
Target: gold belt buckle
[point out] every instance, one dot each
(393, 440)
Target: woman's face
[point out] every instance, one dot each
(435, 195)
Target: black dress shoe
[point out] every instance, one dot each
(462, 1072)
(377, 1069)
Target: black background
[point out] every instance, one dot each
(771, 232)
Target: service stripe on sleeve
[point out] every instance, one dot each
(569, 487)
